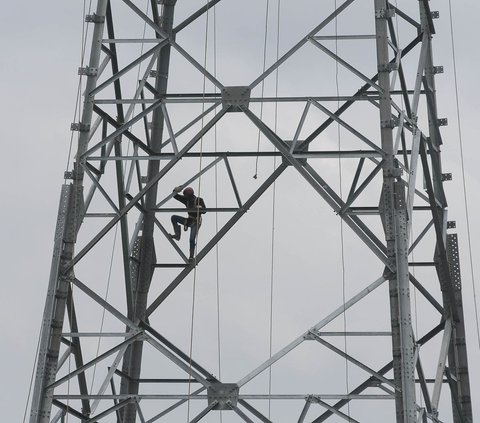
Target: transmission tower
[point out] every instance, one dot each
(157, 114)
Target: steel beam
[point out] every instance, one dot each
(395, 227)
(219, 235)
(370, 382)
(132, 197)
(296, 342)
(60, 277)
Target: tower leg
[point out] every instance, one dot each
(61, 274)
(448, 273)
(133, 357)
(394, 217)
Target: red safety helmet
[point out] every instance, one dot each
(188, 192)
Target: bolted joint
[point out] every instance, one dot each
(387, 273)
(236, 97)
(451, 224)
(393, 173)
(442, 122)
(156, 74)
(446, 177)
(88, 71)
(387, 67)
(437, 69)
(52, 355)
(302, 161)
(94, 18)
(59, 295)
(81, 127)
(71, 174)
(390, 123)
(56, 324)
(222, 395)
(390, 271)
(435, 14)
(399, 195)
(384, 13)
(314, 399)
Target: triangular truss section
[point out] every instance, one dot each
(142, 133)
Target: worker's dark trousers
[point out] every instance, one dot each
(179, 220)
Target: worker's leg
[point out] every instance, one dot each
(193, 239)
(176, 222)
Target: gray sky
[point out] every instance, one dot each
(41, 54)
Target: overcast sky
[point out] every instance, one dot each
(40, 47)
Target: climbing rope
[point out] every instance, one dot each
(217, 267)
(263, 82)
(32, 374)
(105, 299)
(274, 196)
(465, 196)
(207, 13)
(342, 239)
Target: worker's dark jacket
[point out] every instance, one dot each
(191, 203)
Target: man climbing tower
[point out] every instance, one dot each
(196, 207)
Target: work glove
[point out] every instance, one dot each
(177, 189)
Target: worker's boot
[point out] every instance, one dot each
(192, 254)
(177, 233)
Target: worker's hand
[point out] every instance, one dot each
(177, 189)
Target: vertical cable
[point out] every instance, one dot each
(465, 197)
(217, 267)
(198, 216)
(112, 255)
(32, 374)
(85, 27)
(263, 82)
(274, 196)
(342, 247)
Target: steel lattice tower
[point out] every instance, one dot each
(138, 135)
